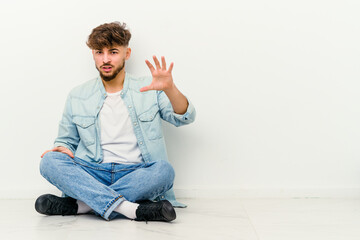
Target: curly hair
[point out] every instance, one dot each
(108, 35)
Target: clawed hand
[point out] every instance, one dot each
(162, 78)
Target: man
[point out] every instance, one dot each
(110, 156)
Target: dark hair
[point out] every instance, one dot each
(109, 35)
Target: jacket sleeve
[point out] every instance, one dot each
(68, 135)
(167, 112)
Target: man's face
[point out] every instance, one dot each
(111, 61)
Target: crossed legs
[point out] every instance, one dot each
(104, 186)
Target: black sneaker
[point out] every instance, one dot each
(156, 211)
(146, 201)
(52, 205)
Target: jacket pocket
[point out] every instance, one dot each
(151, 123)
(86, 129)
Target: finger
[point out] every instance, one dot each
(163, 63)
(68, 152)
(151, 67)
(147, 88)
(45, 153)
(157, 64)
(171, 67)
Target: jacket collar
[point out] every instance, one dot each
(102, 88)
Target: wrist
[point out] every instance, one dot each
(170, 89)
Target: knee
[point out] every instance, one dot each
(48, 163)
(166, 171)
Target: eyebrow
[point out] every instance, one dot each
(109, 49)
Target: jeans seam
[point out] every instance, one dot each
(99, 169)
(124, 170)
(112, 173)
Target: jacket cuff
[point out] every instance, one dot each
(189, 115)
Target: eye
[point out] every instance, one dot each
(98, 52)
(113, 52)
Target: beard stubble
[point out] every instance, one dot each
(108, 78)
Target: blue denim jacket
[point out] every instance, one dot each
(79, 128)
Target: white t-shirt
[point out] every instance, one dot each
(118, 140)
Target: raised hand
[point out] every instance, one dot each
(60, 149)
(162, 78)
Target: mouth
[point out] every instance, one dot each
(107, 68)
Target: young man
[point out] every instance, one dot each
(110, 156)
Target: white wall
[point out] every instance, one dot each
(275, 84)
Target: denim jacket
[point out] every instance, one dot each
(79, 128)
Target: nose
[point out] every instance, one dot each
(106, 58)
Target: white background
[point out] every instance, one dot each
(275, 85)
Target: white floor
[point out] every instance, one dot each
(260, 219)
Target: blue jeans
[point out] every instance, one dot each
(104, 186)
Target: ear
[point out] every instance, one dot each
(128, 53)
